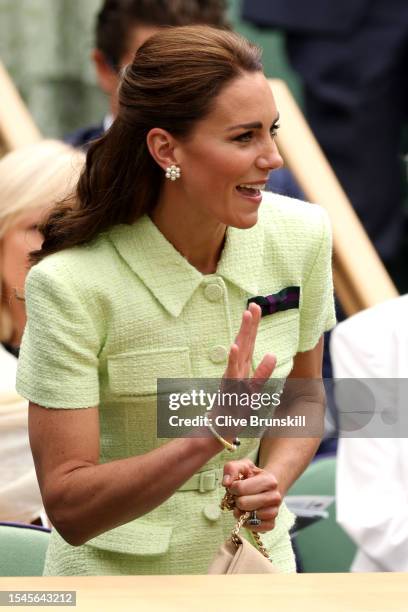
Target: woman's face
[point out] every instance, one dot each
(227, 159)
(16, 244)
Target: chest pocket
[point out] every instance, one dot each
(136, 373)
(278, 334)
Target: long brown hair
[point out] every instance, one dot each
(172, 83)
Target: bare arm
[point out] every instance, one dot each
(281, 459)
(84, 498)
(287, 458)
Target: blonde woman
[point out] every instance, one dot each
(31, 179)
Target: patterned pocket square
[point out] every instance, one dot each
(283, 300)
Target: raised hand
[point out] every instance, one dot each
(241, 352)
(258, 489)
(236, 381)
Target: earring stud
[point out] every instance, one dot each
(173, 172)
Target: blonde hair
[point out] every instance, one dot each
(32, 177)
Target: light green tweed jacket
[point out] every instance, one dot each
(107, 319)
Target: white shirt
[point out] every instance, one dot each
(372, 473)
(20, 498)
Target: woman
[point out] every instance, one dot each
(30, 178)
(148, 277)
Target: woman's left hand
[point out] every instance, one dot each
(258, 490)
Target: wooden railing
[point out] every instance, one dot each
(16, 125)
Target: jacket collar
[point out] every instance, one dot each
(170, 277)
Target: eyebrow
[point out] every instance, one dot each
(255, 125)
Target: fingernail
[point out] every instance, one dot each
(226, 480)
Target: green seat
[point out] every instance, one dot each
(323, 546)
(22, 550)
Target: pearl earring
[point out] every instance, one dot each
(173, 173)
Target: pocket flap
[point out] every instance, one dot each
(135, 538)
(278, 334)
(136, 373)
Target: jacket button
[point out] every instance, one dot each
(212, 512)
(213, 292)
(218, 354)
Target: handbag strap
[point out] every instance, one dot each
(235, 534)
(228, 503)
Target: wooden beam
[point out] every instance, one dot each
(16, 125)
(360, 277)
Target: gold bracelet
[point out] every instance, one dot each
(230, 446)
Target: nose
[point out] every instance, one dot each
(270, 158)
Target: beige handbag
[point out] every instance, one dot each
(237, 555)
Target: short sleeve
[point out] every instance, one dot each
(317, 311)
(58, 364)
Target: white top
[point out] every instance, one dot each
(20, 499)
(8, 369)
(372, 496)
